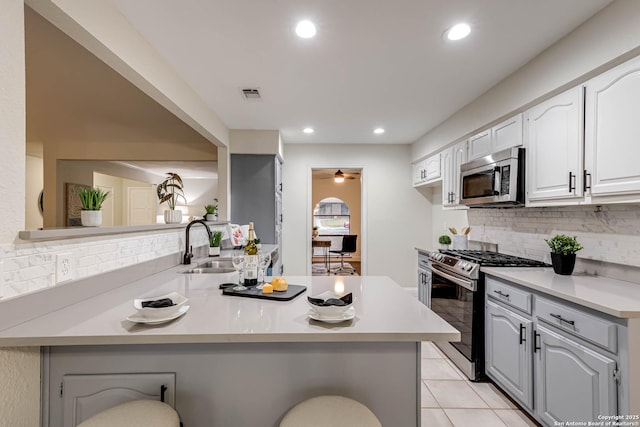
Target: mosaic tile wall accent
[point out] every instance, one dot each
(608, 233)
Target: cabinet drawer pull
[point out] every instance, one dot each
(502, 294)
(535, 341)
(560, 318)
(584, 181)
(523, 331)
(572, 182)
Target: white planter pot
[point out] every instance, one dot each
(172, 217)
(211, 217)
(91, 218)
(214, 251)
(461, 242)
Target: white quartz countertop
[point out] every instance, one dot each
(610, 296)
(384, 312)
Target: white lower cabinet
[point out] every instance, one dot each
(550, 362)
(508, 352)
(574, 383)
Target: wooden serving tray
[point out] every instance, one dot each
(291, 292)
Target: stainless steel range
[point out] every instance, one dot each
(457, 295)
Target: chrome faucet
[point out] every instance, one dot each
(188, 251)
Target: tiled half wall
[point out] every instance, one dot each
(608, 233)
(31, 266)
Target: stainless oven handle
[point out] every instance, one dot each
(467, 284)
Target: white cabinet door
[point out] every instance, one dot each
(418, 172)
(573, 382)
(432, 167)
(452, 158)
(507, 134)
(459, 156)
(446, 158)
(612, 127)
(554, 148)
(508, 355)
(480, 145)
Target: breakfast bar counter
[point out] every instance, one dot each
(384, 312)
(235, 360)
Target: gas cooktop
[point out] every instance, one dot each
(494, 259)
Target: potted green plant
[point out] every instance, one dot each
(169, 191)
(563, 253)
(214, 243)
(444, 241)
(315, 233)
(91, 200)
(212, 210)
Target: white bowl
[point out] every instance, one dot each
(329, 311)
(161, 312)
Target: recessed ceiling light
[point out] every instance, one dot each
(378, 131)
(458, 31)
(305, 29)
(308, 130)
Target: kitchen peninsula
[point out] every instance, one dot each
(243, 361)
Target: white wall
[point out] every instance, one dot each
(605, 37)
(19, 368)
(393, 219)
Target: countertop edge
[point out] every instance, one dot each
(225, 338)
(502, 274)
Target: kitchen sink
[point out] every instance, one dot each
(211, 267)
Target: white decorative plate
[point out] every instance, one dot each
(137, 318)
(349, 314)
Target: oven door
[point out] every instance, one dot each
(455, 299)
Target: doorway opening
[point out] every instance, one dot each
(336, 210)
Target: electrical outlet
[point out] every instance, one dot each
(64, 267)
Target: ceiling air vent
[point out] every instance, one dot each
(251, 94)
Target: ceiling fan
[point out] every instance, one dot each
(336, 174)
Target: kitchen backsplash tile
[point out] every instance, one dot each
(30, 266)
(608, 233)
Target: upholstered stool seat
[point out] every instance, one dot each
(330, 411)
(137, 413)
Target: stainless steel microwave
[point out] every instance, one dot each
(496, 180)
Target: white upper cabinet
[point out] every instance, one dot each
(554, 150)
(418, 172)
(426, 171)
(507, 134)
(480, 145)
(433, 167)
(452, 158)
(612, 128)
(504, 135)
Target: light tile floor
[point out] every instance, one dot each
(449, 399)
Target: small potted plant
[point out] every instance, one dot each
(563, 253)
(91, 200)
(214, 243)
(315, 233)
(169, 191)
(212, 210)
(444, 241)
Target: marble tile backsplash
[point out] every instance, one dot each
(608, 233)
(31, 266)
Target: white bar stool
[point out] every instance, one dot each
(137, 413)
(330, 411)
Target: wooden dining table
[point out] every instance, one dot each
(325, 244)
